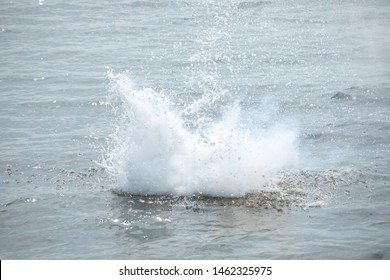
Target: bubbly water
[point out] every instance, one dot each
(194, 129)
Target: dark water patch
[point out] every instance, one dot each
(342, 96)
(381, 254)
(263, 200)
(294, 190)
(365, 93)
(313, 136)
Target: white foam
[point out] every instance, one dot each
(153, 151)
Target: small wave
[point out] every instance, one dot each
(301, 20)
(251, 4)
(20, 200)
(150, 4)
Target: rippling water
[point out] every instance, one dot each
(194, 129)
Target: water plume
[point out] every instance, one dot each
(154, 152)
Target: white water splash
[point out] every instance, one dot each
(153, 151)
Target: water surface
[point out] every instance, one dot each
(194, 129)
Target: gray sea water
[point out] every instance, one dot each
(194, 129)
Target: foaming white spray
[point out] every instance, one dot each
(153, 151)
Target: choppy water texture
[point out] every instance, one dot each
(194, 129)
